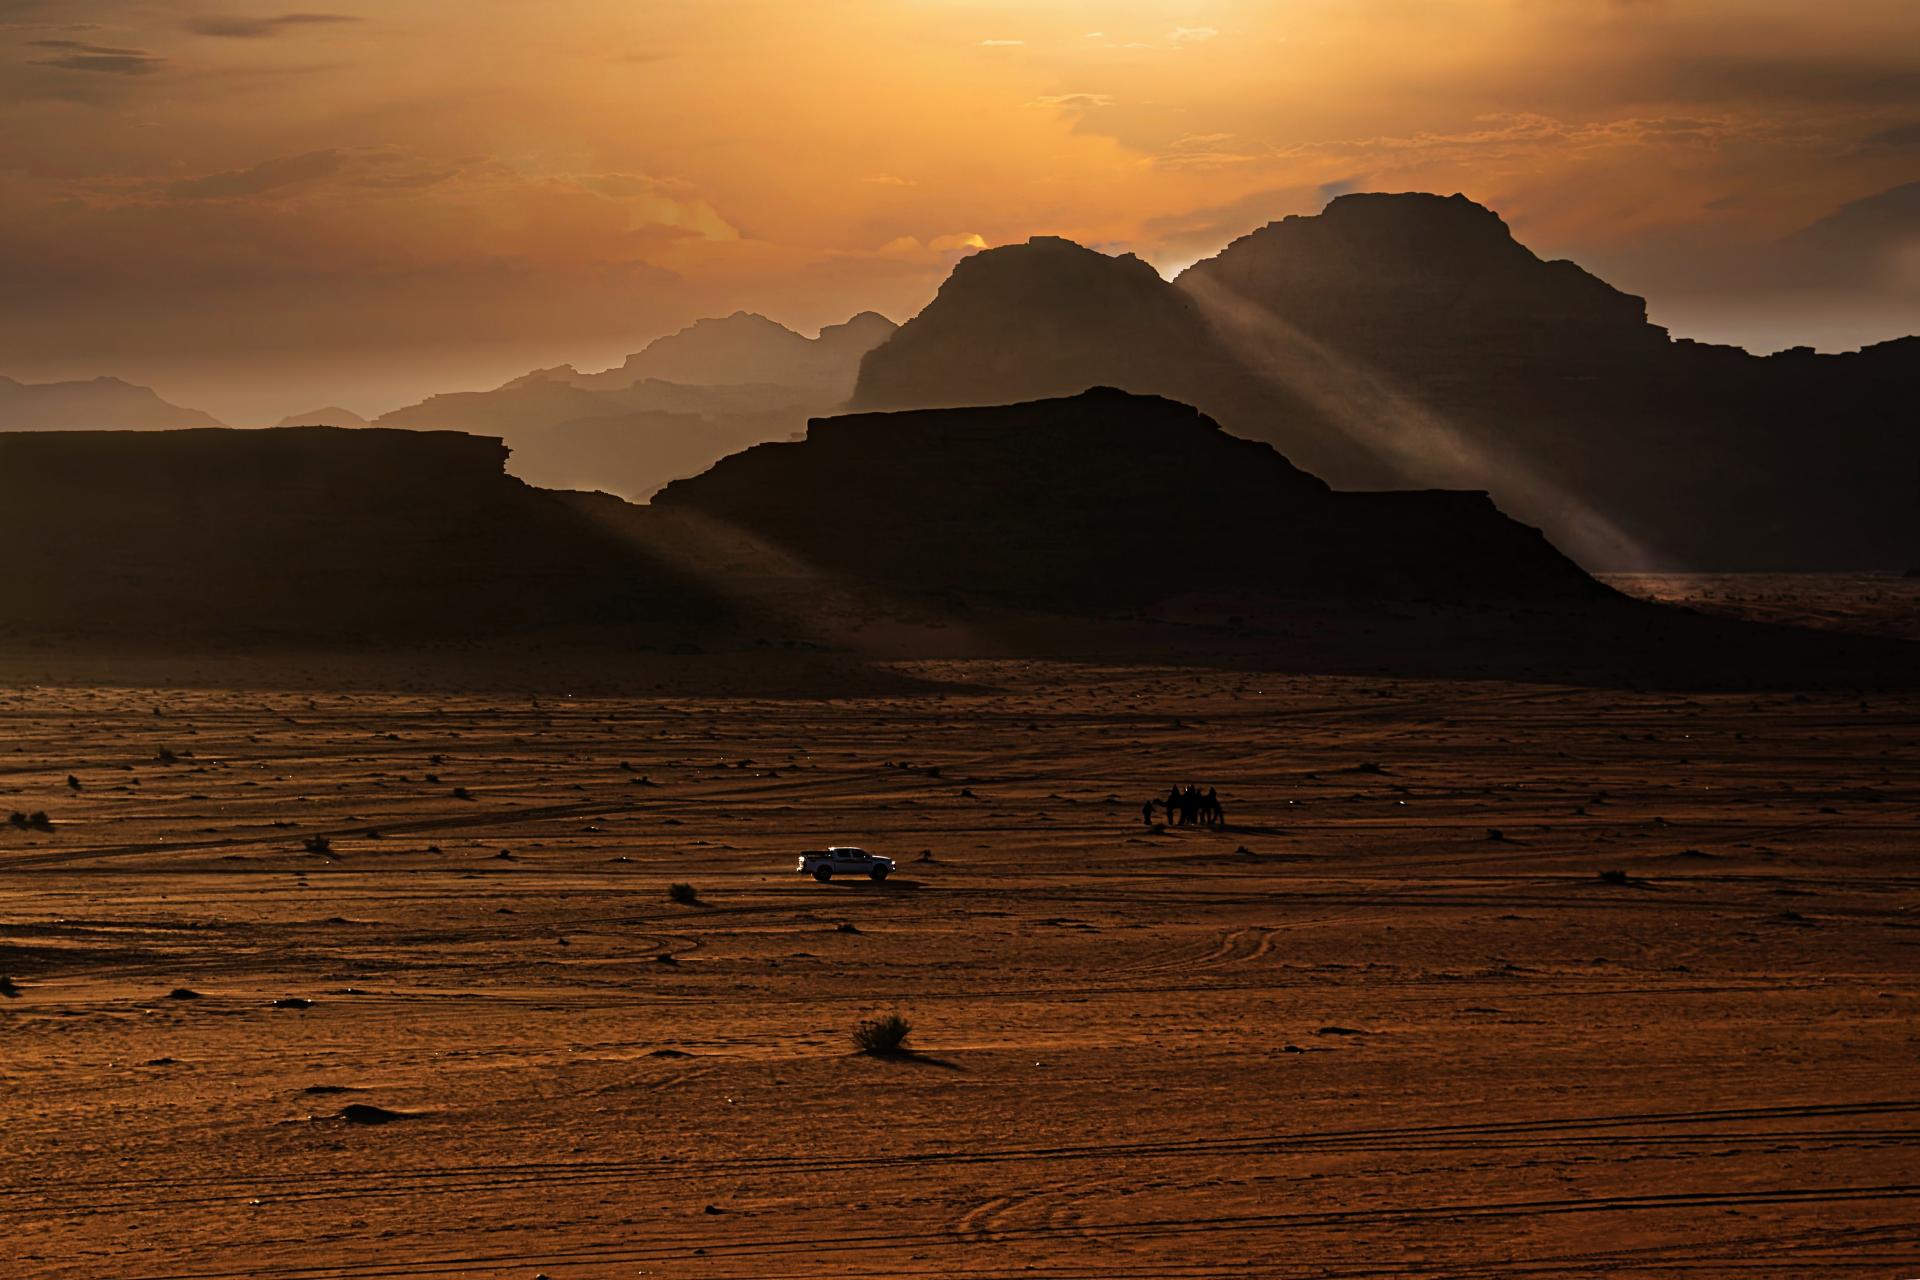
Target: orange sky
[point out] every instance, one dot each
(261, 209)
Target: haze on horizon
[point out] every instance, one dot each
(260, 210)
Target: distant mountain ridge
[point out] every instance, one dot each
(93, 404)
(743, 348)
(671, 409)
(330, 416)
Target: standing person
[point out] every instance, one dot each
(1173, 805)
(1190, 805)
(1146, 813)
(1215, 814)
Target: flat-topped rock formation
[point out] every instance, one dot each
(306, 535)
(1108, 500)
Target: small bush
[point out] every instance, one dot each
(684, 894)
(318, 844)
(883, 1035)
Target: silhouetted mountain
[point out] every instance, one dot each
(1410, 341)
(1107, 500)
(307, 535)
(1044, 318)
(1430, 286)
(332, 416)
(96, 404)
(748, 348)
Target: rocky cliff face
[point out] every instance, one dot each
(305, 535)
(1408, 341)
(1429, 287)
(1108, 500)
(1044, 318)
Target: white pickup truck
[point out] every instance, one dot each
(843, 860)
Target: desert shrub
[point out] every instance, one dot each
(318, 844)
(1614, 877)
(683, 893)
(881, 1035)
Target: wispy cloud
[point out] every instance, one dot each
(1074, 101)
(75, 55)
(235, 27)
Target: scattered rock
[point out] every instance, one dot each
(183, 993)
(366, 1113)
(1342, 1031)
(8, 988)
(292, 1002)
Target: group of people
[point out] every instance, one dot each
(1187, 808)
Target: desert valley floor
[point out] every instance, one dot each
(1392, 1021)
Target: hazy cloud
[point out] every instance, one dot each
(241, 28)
(269, 175)
(1075, 101)
(1207, 151)
(75, 55)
